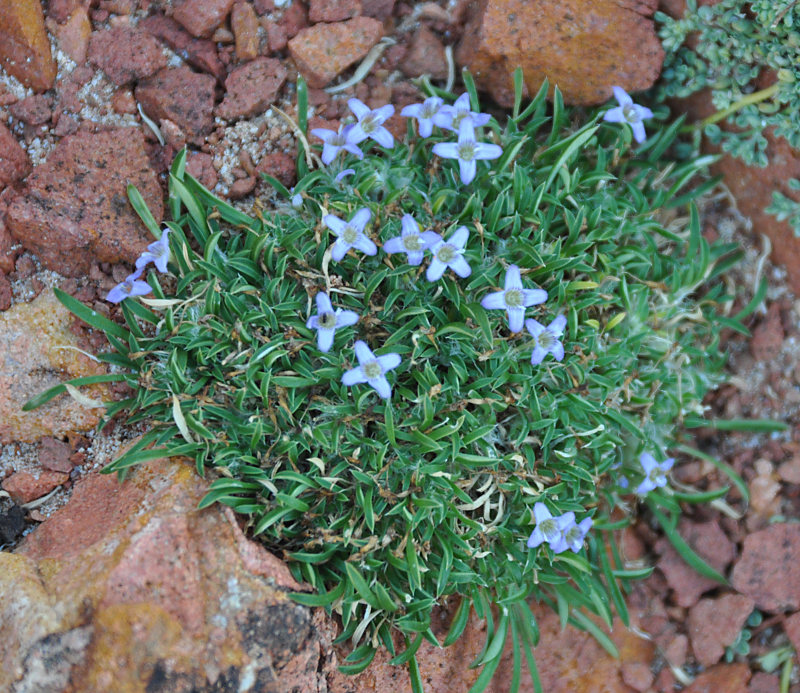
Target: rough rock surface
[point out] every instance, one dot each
(73, 35)
(182, 96)
(36, 353)
(333, 10)
(715, 623)
(730, 678)
(75, 205)
(776, 589)
(325, 50)
(199, 53)
(24, 47)
(251, 88)
(14, 163)
(244, 24)
(126, 54)
(201, 17)
(582, 47)
(23, 487)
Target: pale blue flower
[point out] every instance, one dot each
(628, 112)
(372, 369)
(326, 321)
(343, 174)
(412, 242)
(655, 473)
(132, 286)
(467, 151)
(424, 113)
(334, 142)
(157, 253)
(451, 117)
(547, 339)
(572, 537)
(297, 201)
(370, 123)
(449, 253)
(350, 234)
(514, 299)
(550, 529)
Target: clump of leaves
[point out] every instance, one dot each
(391, 506)
(728, 47)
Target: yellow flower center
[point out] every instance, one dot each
(349, 235)
(411, 242)
(514, 298)
(446, 253)
(372, 370)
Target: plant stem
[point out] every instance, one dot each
(755, 97)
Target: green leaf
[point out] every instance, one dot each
(56, 390)
(91, 317)
(459, 622)
(141, 208)
(361, 586)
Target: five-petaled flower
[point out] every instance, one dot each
(412, 242)
(655, 473)
(372, 369)
(449, 253)
(334, 142)
(575, 534)
(157, 253)
(548, 339)
(370, 123)
(326, 321)
(514, 299)
(467, 151)
(132, 286)
(550, 529)
(451, 117)
(628, 112)
(350, 234)
(424, 113)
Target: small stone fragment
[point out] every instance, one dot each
(14, 163)
(201, 17)
(715, 623)
(73, 35)
(242, 188)
(425, 55)
(199, 53)
(24, 487)
(333, 10)
(768, 571)
(251, 88)
(201, 166)
(790, 471)
(324, 51)
(767, 339)
(24, 47)
(730, 678)
(244, 23)
(12, 521)
(6, 293)
(762, 682)
(791, 626)
(182, 96)
(279, 165)
(54, 455)
(33, 110)
(637, 675)
(126, 54)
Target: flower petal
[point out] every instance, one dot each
(329, 152)
(479, 119)
(558, 325)
(538, 355)
(358, 107)
(360, 218)
(487, 151)
(355, 151)
(345, 318)
(614, 115)
(494, 301)
(467, 171)
(117, 294)
(516, 319)
(666, 465)
(430, 238)
(537, 537)
(409, 225)
(325, 338)
(323, 303)
(541, 512)
(459, 237)
(415, 257)
(382, 387)
(462, 102)
(339, 249)
(365, 245)
(363, 352)
(357, 134)
(643, 112)
(425, 127)
(557, 350)
(645, 487)
(533, 297)
(639, 133)
(446, 150)
(324, 135)
(435, 270)
(389, 361)
(412, 110)
(312, 322)
(353, 376)
(534, 327)
(513, 278)
(383, 137)
(622, 96)
(460, 266)
(383, 113)
(648, 462)
(394, 245)
(334, 223)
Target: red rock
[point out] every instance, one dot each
(201, 17)
(60, 10)
(123, 101)
(182, 96)
(244, 24)
(425, 55)
(126, 54)
(276, 35)
(74, 207)
(710, 541)
(73, 35)
(251, 88)
(324, 51)
(762, 682)
(24, 487)
(6, 294)
(791, 627)
(675, 651)
(378, 9)
(637, 675)
(242, 187)
(14, 163)
(294, 19)
(730, 678)
(715, 623)
(54, 455)
(790, 471)
(201, 166)
(33, 110)
(333, 10)
(767, 339)
(264, 6)
(768, 569)
(582, 47)
(279, 165)
(199, 53)
(24, 46)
